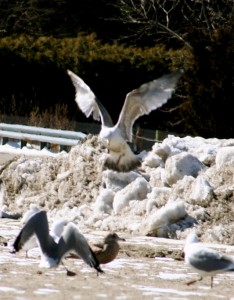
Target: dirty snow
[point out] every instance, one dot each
(183, 183)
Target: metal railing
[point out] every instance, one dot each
(28, 134)
(144, 139)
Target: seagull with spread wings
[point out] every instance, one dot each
(138, 102)
(53, 251)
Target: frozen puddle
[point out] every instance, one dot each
(151, 290)
(120, 263)
(6, 289)
(101, 295)
(155, 291)
(45, 291)
(171, 276)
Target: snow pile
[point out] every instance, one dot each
(104, 202)
(182, 183)
(158, 223)
(179, 165)
(136, 190)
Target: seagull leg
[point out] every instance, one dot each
(69, 273)
(211, 282)
(193, 281)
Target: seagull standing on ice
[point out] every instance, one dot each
(205, 261)
(52, 252)
(138, 102)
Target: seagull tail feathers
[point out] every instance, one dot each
(122, 164)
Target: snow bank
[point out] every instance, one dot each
(182, 183)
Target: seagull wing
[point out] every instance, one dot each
(209, 260)
(88, 102)
(37, 224)
(72, 239)
(146, 98)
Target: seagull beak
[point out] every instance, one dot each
(120, 239)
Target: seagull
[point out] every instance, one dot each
(52, 252)
(205, 261)
(138, 102)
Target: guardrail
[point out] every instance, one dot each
(25, 134)
(143, 139)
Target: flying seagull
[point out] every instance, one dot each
(205, 261)
(52, 252)
(138, 102)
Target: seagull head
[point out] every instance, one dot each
(113, 237)
(191, 239)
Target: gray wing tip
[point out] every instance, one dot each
(20, 240)
(173, 77)
(71, 74)
(95, 263)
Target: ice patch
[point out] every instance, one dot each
(6, 289)
(151, 290)
(45, 291)
(171, 276)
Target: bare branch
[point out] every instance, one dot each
(173, 33)
(162, 19)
